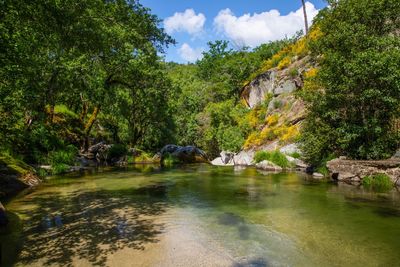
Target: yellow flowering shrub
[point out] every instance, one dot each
(285, 62)
(311, 73)
(272, 119)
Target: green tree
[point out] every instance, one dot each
(354, 111)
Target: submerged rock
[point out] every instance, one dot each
(268, 166)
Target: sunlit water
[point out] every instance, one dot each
(200, 216)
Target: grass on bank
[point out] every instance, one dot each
(275, 157)
(378, 182)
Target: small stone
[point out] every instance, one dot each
(268, 166)
(318, 175)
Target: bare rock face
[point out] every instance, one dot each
(268, 166)
(353, 171)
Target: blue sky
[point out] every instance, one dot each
(193, 23)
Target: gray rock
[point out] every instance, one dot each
(344, 176)
(227, 156)
(287, 86)
(397, 154)
(243, 158)
(317, 175)
(290, 149)
(218, 162)
(268, 166)
(297, 162)
(260, 87)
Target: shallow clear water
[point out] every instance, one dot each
(200, 215)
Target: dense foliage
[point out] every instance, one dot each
(207, 108)
(72, 71)
(354, 98)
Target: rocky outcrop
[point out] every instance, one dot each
(268, 166)
(15, 176)
(353, 171)
(183, 154)
(275, 82)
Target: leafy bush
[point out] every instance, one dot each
(61, 160)
(379, 182)
(65, 156)
(59, 168)
(295, 155)
(275, 157)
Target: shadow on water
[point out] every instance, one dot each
(91, 225)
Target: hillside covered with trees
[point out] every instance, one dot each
(75, 73)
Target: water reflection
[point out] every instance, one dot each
(257, 219)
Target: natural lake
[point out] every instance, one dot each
(200, 215)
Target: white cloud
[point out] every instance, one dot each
(187, 53)
(187, 21)
(253, 30)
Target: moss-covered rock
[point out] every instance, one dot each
(15, 175)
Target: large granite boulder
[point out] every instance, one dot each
(183, 154)
(244, 158)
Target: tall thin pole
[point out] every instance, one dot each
(305, 16)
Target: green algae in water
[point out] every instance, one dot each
(242, 216)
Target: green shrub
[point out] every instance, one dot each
(293, 72)
(59, 168)
(117, 151)
(61, 160)
(295, 155)
(277, 104)
(379, 182)
(66, 156)
(275, 157)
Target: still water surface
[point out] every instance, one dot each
(200, 215)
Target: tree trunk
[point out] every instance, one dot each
(305, 16)
(88, 128)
